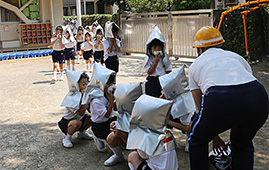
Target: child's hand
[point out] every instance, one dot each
(112, 125)
(219, 145)
(157, 57)
(59, 36)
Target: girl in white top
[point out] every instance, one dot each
(99, 46)
(79, 39)
(87, 49)
(69, 51)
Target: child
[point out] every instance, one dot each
(125, 96)
(69, 51)
(57, 54)
(94, 25)
(153, 144)
(79, 39)
(99, 46)
(156, 62)
(102, 106)
(111, 46)
(176, 88)
(74, 117)
(88, 28)
(86, 48)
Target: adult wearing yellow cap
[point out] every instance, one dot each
(228, 97)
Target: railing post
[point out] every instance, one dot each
(170, 34)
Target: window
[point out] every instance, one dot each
(101, 8)
(8, 16)
(32, 10)
(89, 8)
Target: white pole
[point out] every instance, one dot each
(52, 14)
(85, 7)
(78, 12)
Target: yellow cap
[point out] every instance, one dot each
(208, 36)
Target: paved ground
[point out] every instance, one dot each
(30, 109)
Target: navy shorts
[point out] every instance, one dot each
(112, 63)
(78, 46)
(63, 124)
(69, 54)
(58, 57)
(99, 56)
(153, 86)
(87, 55)
(102, 130)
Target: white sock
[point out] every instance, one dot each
(117, 150)
(68, 67)
(73, 67)
(78, 57)
(61, 72)
(68, 137)
(54, 74)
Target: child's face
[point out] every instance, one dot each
(82, 85)
(88, 29)
(67, 34)
(80, 31)
(87, 36)
(156, 48)
(59, 32)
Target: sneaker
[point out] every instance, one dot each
(114, 159)
(54, 79)
(84, 135)
(61, 78)
(67, 143)
(100, 145)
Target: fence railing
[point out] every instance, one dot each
(178, 28)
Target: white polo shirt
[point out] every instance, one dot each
(99, 47)
(56, 45)
(87, 46)
(98, 108)
(106, 44)
(217, 67)
(70, 113)
(159, 70)
(70, 44)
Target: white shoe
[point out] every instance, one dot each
(84, 135)
(61, 78)
(113, 160)
(54, 79)
(100, 145)
(67, 143)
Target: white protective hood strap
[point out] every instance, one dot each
(97, 83)
(156, 34)
(147, 126)
(74, 95)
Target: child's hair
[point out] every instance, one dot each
(80, 28)
(88, 33)
(111, 79)
(59, 28)
(84, 75)
(99, 30)
(114, 29)
(154, 42)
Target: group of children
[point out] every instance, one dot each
(124, 117)
(69, 42)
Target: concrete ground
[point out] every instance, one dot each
(30, 109)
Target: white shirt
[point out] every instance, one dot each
(87, 46)
(79, 38)
(70, 113)
(159, 70)
(106, 43)
(99, 48)
(164, 161)
(56, 45)
(217, 67)
(98, 109)
(70, 44)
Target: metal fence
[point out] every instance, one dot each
(178, 28)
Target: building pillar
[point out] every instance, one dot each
(78, 5)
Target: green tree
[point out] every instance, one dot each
(140, 6)
(190, 4)
(122, 4)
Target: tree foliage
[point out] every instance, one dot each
(190, 4)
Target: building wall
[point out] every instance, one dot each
(10, 35)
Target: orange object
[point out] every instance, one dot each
(208, 36)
